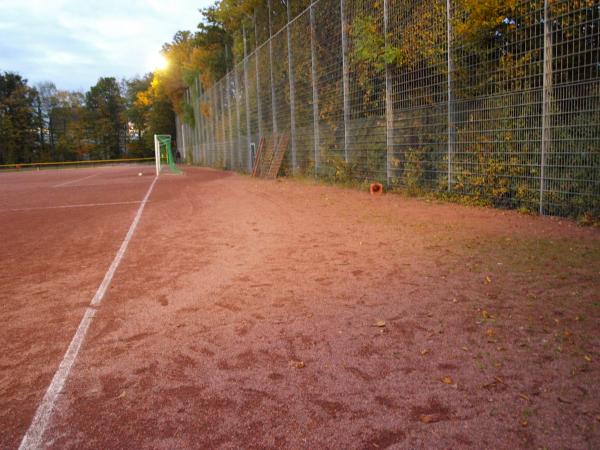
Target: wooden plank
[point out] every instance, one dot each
(267, 156)
(277, 159)
(261, 145)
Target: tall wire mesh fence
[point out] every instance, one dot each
(421, 94)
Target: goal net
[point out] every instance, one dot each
(164, 154)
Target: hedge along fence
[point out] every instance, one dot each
(499, 102)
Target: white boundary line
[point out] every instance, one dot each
(35, 433)
(79, 205)
(75, 181)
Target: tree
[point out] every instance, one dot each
(105, 119)
(46, 100)
(67, 127)
(17, 120)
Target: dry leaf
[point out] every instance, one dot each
(524, 423)
(497, 380)
(424, 351)
(447, 380)
(429, 418)
(297, 364)
(454, 300)
(524, 397)
(488, 279)
(490, 332)
(380, 323)
(588, 358)
(122, 395)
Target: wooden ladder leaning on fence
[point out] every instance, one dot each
(270, 156)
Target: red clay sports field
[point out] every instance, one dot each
(214, 310)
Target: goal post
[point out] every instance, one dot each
(163, 154)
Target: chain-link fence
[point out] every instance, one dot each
(424, 94)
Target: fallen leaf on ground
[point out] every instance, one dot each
(380, 323)
(490, 332)
(123, 394)
(524, 423)
(297, 364)
(497, 380)
(486, 315)
(429, 418)
(424, 351)
(588, 358)
(447, 380)
(488, 279)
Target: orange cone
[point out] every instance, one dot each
(376, 189)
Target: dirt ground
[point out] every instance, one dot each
(283, 314)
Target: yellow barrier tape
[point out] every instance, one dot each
(60, 163)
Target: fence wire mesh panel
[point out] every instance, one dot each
(498, 102)
(302, 138)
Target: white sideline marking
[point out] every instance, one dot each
(35, 433)
(80, 205)
(75, 181)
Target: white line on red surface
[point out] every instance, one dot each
(66, 183)
(79, 205)
(34, 435)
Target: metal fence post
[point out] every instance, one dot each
(213, 131)
(238, 118)
(315, 90)
(546, 99)
(389, 107)
(183, 138)
(196, 157)
(345, 80)
(258, 104)
(204, 131)
(228, 96)
(223, 127)
(207, 124)
(247, 95)
(273, 98)
(450, 107)
(202, 142)
(292, 81)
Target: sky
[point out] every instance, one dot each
(74, 42)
